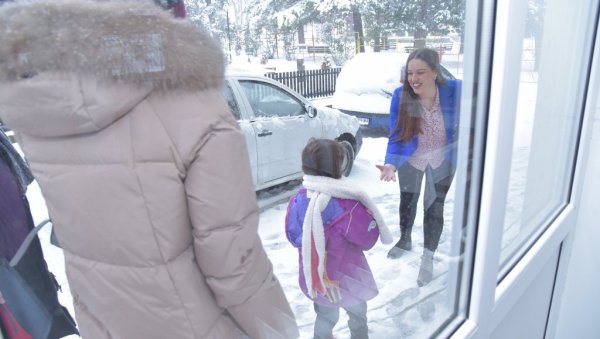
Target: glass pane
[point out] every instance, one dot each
(232, 102)
(269, 101)
(403, 308)
(546, 124)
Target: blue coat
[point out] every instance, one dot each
(399, 152)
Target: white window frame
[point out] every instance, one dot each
(489, 301)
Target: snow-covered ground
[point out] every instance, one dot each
(401, 310)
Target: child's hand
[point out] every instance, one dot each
(388, 172)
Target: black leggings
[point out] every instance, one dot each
(410, 180)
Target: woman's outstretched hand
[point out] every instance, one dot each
(388, 172)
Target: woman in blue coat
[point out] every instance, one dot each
(424, 115)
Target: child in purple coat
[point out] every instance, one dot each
(332, 222)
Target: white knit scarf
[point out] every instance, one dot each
(320, 190)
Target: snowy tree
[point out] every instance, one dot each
(350, 12)
(382, 18)
(347, 27)
(381, 22)
(424, 17)
(210, 15)
(275, 21)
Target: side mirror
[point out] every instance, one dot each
(312, 111)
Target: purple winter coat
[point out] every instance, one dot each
(347, 234)
(14, 217)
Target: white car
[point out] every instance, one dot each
(278, 122)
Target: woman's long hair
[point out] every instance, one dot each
(408, 123)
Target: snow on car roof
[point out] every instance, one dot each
(371, 72)
(367, 81)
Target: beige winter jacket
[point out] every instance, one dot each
(145, 173)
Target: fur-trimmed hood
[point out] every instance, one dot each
(123, 40)
(70, 67)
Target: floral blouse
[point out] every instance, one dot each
(432, 140)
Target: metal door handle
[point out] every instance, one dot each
(264, 133)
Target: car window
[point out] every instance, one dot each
(232, 102)
(268, 100)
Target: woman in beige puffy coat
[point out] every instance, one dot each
(145, 173)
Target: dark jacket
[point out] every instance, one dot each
(15, 222)
(14, 214)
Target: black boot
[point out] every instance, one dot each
(426, 269)
(404, 244)
(405, 238)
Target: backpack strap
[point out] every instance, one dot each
(25, 245)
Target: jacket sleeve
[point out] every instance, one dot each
(395, 149)
(224, 214)
(293, 223)
(394, 106)
(456, 108)
(362, 231)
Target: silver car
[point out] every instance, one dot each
(278, 122)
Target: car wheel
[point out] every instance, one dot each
(349, 157)
(358, 140)
(354, 140)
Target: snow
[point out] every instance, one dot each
(367, 81)
(396, 311)
(401, 309)
(244, 63)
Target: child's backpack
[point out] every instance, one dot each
(29, 307)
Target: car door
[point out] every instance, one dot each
(281, 128)
(240, 112)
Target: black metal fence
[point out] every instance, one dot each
(313, 83)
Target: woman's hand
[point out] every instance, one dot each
(388, 172)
